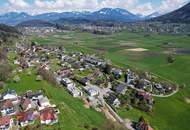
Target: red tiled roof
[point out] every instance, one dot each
(24, 116)
(145, 95)
(145, 126)
(5, 120)
(47, 114)
(26, 102)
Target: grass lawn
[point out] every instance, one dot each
(73, 115)
(169, 113)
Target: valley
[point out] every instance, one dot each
(94, 65)
(153, 60)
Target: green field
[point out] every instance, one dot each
(169, 113)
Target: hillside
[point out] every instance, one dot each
(181, 15)
(35, 23)
(7, 29)
(14, 18)
(7, 33)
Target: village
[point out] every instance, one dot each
(100, 84)
(22, 110)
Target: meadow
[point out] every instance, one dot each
(170, 113)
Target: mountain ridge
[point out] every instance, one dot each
(181, 15)
(107, 14)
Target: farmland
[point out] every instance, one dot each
(169, 113)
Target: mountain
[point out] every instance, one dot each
(153, 15)
(110, 14)
(35, 23)
(105, 14)
(181, 15)
(13, 18)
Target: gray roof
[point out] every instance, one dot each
(121, 88)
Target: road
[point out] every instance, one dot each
(103, 92)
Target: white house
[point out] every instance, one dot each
(43, 102)
(91, 91)
(75, 92)
(10, 94)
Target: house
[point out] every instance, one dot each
(121, 89)
(130, 78)
(145, 96)
(92, 61)
(43, 102)
(48, 117)
(143, 126)
(143, 84)
(75, 92)
(159, 87)
(7, 108)
(67, 82)
(5, 123)
(16, 62)
(99, 82)
(64, 73)
(58, 79)
(26, 104)
(85, 80)
(117, 73)
(9, 94)
(25, 118)
(33, 95)
(113, 100)
(91, 91)
(24, 64)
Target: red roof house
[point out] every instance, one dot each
(48, 116)
(5, 122)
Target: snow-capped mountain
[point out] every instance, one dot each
(105, 14)
(116, 14)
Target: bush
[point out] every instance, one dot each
(16, 79)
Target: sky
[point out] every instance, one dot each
(143, 7)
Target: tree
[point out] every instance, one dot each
(3, 53)
(141, 119)
(4, 71)
(107, 69)
(48, 76)
(33, 44)
(171, 59)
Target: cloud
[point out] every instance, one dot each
(144, 9)
(44, 6)
(170, 5)
(18, 4)
(118, 3)
(67, 4)
(83, 4)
